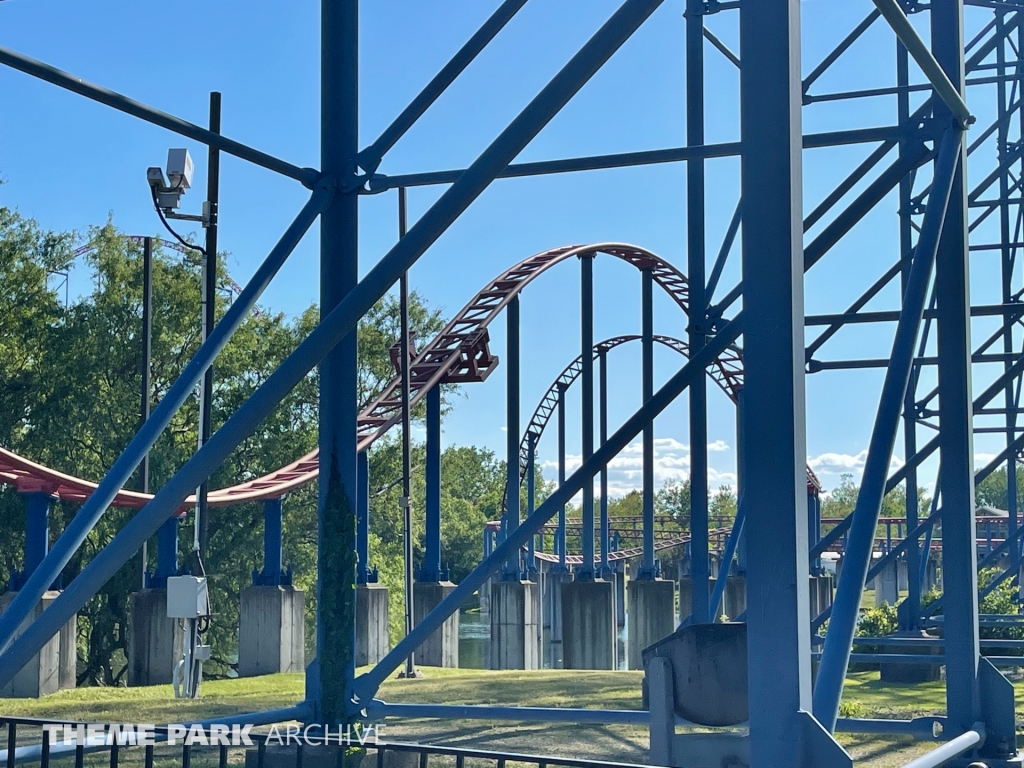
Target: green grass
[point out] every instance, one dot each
(865, 696)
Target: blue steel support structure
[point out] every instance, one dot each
(333, 670)
(860, 545)
(531, 506)
(431, 568)
(273, 545)
(37, 534)
(514, 567)
(775, 480)
(648, 567)
(586, 570)
(602, 409)
(560, 539)
(952, 286)
(696, 333)
(363, 573)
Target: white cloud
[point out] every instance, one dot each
(671, 464)
(845, 463)
(982, 459)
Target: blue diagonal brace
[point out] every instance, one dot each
(836, 653)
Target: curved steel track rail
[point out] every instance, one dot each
(458, 354)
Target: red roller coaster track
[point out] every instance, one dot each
(459, 354)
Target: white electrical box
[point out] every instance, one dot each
(179, 168)
(187, 597)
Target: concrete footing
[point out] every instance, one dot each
(155, 642)
(514, 625)
(551, 641)
(886, 583)
(651, 616)
(441, 649)
(272, 630)
(53, 668)
(820, 593)
(372, 643)
(588, 625)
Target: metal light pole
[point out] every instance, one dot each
(209, 306)
(410, 662)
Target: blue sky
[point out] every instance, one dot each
(70, 164)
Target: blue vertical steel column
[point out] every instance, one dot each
(695, 245)
(647, 569)
(560, 535)
(956, 472)
(363, 518)
(273, 544)
(774, 440)
(602, 409)
(586, 570)
(334, 668)
(431, 570)
(166, 552)
(1006, 268)
(835, 656)
(910, 610)
(37, 529)
(531, 500)
(513, 568)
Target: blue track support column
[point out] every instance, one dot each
(606, 569)
(560, 535)
(956, 449)
(431, 569)
(531, 502)
(648, 569)
(363, 518)
(814, 527)
(513, 568)
(273, 545)
(334, 668)
(37, 529)
(586, 570)
(774, 441)
(166, 553)
(695, 245)
(864, 521)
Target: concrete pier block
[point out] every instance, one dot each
(41, 675)
(67, 675)
(588, 625)
(441, 649)
(734, 599)
(514, 625)
(686, 597)
(155, 643)
(552, 618)
(652, 613)
(272, 630)
(885, 586)
(372, 642)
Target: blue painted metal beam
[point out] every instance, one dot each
(431, 568)
(339, 323)
(513, 568)
(860, 545)
(22, 63)
(37, 529)
(367, 684)
(586, 570)
(774, 440)
(166, 554)
(602, 357)
(363, 575)
(697, 330)
(333, 669)
(956, 445)
(648, 567)
(727, 554)
(370, 157)
(273, 544)
(560, 538)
